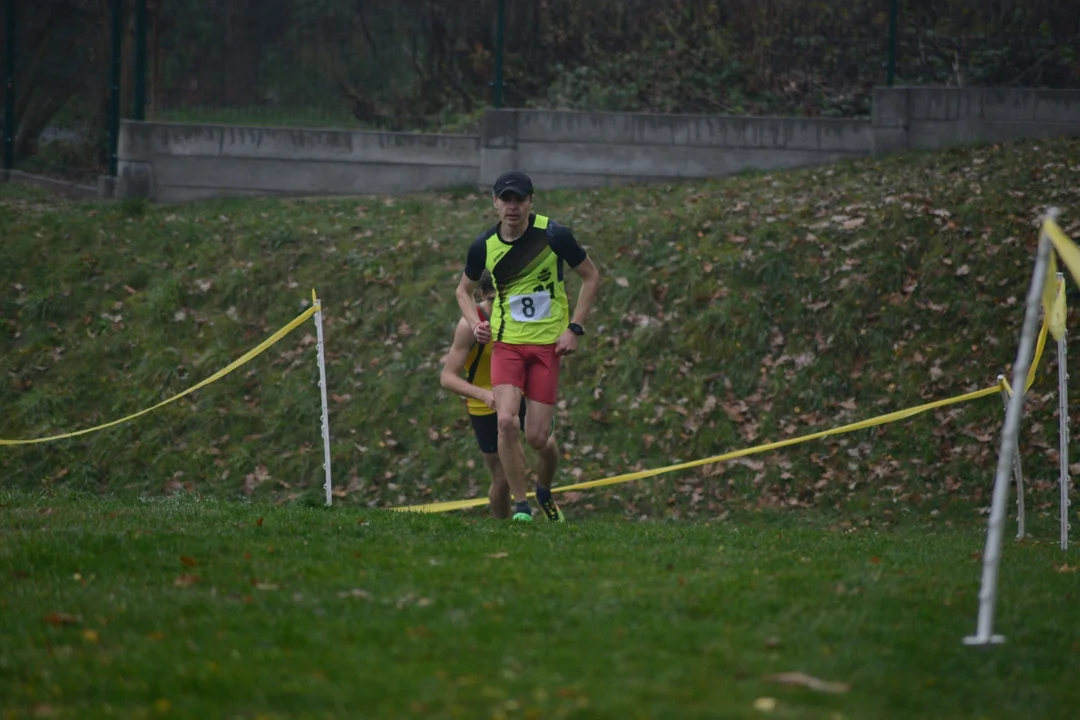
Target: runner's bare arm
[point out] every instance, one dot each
(590, 284)
(481, 330)
(454, 364)
(464, 295)
(590, 276)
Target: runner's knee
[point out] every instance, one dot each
(509, 425)
(537, 438)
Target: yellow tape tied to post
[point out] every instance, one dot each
(243, 360)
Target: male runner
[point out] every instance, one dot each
(530, 321)
(473, 359)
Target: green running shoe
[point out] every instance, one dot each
(552, 511)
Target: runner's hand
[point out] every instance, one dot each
(566, 344)
(482, 332)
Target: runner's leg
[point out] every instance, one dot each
(508, 380)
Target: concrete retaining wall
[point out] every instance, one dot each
(176, 162)
(932, 118)
(572, 149)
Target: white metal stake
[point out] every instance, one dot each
(322, 391)
(1063, 427)
(995, 526)
(1018, 473)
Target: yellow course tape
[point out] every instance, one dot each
(247, 357)
(1055, 310)
(1040, 345)
(627, 477)
(1053, 297)
(1066, 248)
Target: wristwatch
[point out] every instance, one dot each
(577, 329)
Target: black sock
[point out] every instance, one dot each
(522, 507)
(543, 495)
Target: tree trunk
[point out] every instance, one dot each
(54, 66)
(241, 53)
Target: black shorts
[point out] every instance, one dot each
(486, 429)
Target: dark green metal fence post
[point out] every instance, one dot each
(893, 12)
(9, 86)
(114, 82)
(500, 49)
(140, 60)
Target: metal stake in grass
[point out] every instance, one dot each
(995, 526)
(322, 392)
(1018, 471)
(1063, 430)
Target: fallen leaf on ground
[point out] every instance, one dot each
(808, 681)
(185, 580)
(190, 562)
(497, 555)
(356, 593)
(1066, 568)
(60, 619)
(765, 704)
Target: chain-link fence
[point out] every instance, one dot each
(56, 62)
(435, 65)
(403, 64)
(989, 44)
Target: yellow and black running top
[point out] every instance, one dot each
(530, 304)
(478, 372)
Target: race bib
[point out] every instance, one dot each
(530, 308)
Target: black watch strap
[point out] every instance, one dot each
(576, 329)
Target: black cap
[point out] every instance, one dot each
(513, 181)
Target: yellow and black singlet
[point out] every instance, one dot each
(530, 305)
(478, 372)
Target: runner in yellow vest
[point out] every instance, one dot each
(530, 321)
(473, 360)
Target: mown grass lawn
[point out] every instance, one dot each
(183, 607)
(180, 565)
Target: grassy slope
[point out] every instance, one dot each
(735, 312)
(183, 608)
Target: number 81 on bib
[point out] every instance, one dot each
(530, 308)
